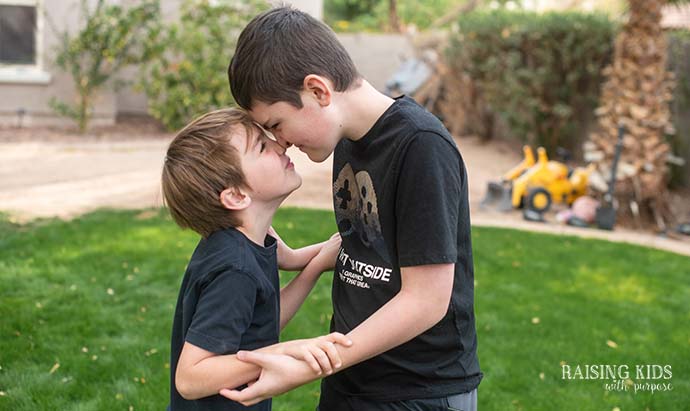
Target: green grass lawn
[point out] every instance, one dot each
(86, 309)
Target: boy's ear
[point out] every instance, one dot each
(235, 199)
(318, 87)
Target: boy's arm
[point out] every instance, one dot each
(293, 295)
(422, 302)
(294, 260)
(201, 373)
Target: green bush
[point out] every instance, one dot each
(372, 15)
(188, 77)
(111, 38)
(539, 73)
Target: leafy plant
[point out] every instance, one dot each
(188, 76)
(111, 37)
(374, 15)
(540, 74)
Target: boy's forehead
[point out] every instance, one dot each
(263, 113)
(260, 112)
(245, 137)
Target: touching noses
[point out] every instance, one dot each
(277, 147)
(280, 140)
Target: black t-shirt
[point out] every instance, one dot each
(229, 301)
(400, 198)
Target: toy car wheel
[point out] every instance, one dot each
(539, 200)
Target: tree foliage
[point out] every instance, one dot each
(110, 37)
(538, 73)
(188, 75)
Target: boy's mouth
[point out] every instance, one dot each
(289, 165)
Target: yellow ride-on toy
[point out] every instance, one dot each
(535, 185)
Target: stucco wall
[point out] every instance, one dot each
(376, 56)
(33, 97)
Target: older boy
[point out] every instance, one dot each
(225, 179)
(403, 289)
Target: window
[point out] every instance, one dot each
(21, 27)
(17, 34)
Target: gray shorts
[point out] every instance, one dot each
(463, 402)
(458, 402)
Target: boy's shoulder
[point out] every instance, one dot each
(223, 251)
(407, 114)
(407, 122)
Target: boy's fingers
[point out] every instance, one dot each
(333, 356)
(245, 397)
(339, 338)
(322, 358)
(313, 363)
(256, 358)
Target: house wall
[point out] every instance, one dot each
(376, 55)
(30, 91)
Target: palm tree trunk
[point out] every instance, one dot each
(637, 94)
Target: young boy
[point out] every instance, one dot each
(403, 289)
(223, 178)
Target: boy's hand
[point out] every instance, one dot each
(319, 352)
(328, 253)
(279, 374)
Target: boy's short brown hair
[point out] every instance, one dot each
(199, 165)
(278, 49)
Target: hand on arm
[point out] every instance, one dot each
(201, 373)
(320, 352)
(422, 302)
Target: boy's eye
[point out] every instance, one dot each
(263, 146)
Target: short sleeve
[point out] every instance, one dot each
(428, 196)
(223, 312)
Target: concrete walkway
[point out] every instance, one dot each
(66, 179)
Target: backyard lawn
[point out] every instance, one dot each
(86, 310)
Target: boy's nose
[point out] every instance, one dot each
(283, 143)
(279, 148)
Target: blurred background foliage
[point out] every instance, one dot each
(373, 15)
(538, 74)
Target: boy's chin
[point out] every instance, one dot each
(291, 189)
(295, 187)
(317, 156)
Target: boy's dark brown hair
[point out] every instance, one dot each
(199, 165)
(278, 49)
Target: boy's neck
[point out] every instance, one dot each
(256, 219)
(363, 107)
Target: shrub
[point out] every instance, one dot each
(110, 39)
(539, 74)
(372, 15)
(188, 76)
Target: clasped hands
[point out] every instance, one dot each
(294, 363)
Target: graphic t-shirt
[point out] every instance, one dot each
(400, 198)
(229, 301)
